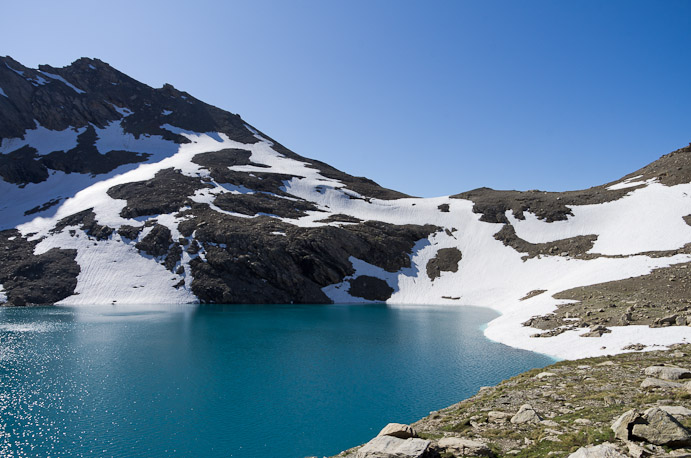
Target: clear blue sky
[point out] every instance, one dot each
(427, 97)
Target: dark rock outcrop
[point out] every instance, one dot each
(30, 279)
(446, 260)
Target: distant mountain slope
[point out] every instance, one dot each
(115, 192)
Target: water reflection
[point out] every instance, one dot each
(243, 381)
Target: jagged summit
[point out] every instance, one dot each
(116, 192)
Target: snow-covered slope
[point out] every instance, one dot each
(114, 192)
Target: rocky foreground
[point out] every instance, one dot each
(629, 405)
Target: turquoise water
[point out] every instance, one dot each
(233, 381)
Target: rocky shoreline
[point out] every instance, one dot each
(628, 405)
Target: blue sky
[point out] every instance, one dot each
(429, 98)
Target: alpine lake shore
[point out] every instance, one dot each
(634, 405)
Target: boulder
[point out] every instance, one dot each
(657, 383)
(662, 429)
(393, 447)
(605, 450)
(622, 426)
(464, 447)
(667, 372)
(526, 414)
(675, 411)
(398, 430)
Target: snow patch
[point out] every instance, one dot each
(3, 93)
(64, 81)
(44, 140)
(629, 183)
(124, 111)
(115, 272)
(3, 295)
(166, 112)
(626, 226)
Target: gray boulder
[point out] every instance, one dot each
(526, 414)
(605, 450)
(675, 411)
(398, 430)
(393, 447)
(657, 383)
(662, 429)
(667, 372)
(464, 447)
(622, 426)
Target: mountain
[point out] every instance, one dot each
(116, 192)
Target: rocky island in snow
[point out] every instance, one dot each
(114, 192)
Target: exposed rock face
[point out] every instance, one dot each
(35, 279)
(446, 260)
(370, 288)
(167, 192)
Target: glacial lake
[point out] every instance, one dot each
(234, 381)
